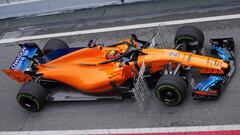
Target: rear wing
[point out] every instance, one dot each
(20, 64)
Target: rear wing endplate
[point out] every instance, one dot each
(19, 65)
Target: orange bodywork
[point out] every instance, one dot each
(82, 69)
(17, 75)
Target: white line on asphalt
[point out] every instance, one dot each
(130, 131)
(118, 28)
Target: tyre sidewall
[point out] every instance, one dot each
(176, 90)
(36, 101)
(32, 93)
(54, 44)
(189, 34)
(171, 81)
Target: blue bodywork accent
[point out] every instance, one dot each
(23, 59)
(206, 84)
(213, 79)
(223, 55)
(56, 54)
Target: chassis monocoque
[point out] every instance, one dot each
(85, 73)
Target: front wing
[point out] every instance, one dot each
(213, 85)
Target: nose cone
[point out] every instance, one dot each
(224, 65)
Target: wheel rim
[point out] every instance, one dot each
(184, 38)
(28, 102)
(168, 94)
(189, 41)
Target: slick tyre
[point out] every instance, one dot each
(171, 89)
(54, 44)
(32, 96)
(190, 37)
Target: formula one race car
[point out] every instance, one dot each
(60, 73)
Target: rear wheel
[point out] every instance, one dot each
(32, 96)
(171, 89)
(54, 44)
(190, 38)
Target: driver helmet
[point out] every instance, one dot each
(112, 54)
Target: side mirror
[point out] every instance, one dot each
(134, 37)
(124, 61)
(91, 43)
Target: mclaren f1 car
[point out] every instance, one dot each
(60, 73)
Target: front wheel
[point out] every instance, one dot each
(190, 39)
(171, 89)
(32, 96)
